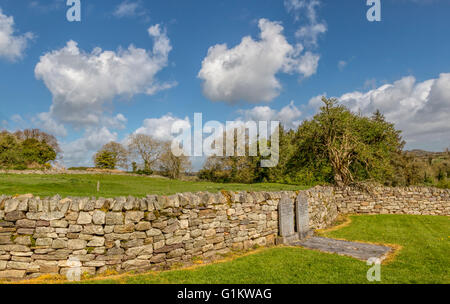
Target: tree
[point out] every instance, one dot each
(39, 135)
(239, 169)
(24, 149)
(173, 166)
(35, 151)
(105, 160)
(353, 146)
(9, 146)
(145, 147)
(118, 152)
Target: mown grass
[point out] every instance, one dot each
(117, 185)
(424, 258)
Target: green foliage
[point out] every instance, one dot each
(230, 170)
(105, 160)
(111, 156)
(145, 171)
(428, 168)
(343, 147)
(9, 146)
(335, 146)
(34, 151)
(23, 152)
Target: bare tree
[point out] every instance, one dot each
(145, 147)
(171, 165)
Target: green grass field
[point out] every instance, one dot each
(117, 185)
(424, 258)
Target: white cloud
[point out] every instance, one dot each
(12, 46)
(316, 102)
(420, 109)
(308, 64)
(80, 151)
(289, 116)
(130, 9)
(16, 118)
(46, 5)
(247, 72)
(160, 128)
(47, 123)
(310, 33)
(83, 83)
(312, 28)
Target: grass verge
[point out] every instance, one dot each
(424, 258)
(118, 185)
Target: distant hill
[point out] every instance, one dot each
(427, 155)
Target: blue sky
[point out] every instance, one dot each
(295, 52)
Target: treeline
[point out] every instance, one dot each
(143, 155)
(31, 148)
(336, 146)
(431, 168)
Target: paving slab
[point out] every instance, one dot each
(360, 251)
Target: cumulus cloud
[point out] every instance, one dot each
(308, 64)
(316, 102)
(47, 123)
(83, 83)
(160, 128)
(420, 109)
(12, 45)
(247, 72)
(289, 116)
(80, 151)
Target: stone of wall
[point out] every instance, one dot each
(323, 209)
(386, 200)
(42, 236)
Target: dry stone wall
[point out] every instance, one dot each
(40, 236)
(46, 235)
(386, 200)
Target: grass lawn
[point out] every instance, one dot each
(424, 258)
(117, 185)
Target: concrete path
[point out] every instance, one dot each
(360, 251)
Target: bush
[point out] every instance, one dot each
(105, 160)
(444, 184)
(26, 150)
(20, 167)
(144, 172)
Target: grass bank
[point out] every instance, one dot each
(423, 258)
(117, 185)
